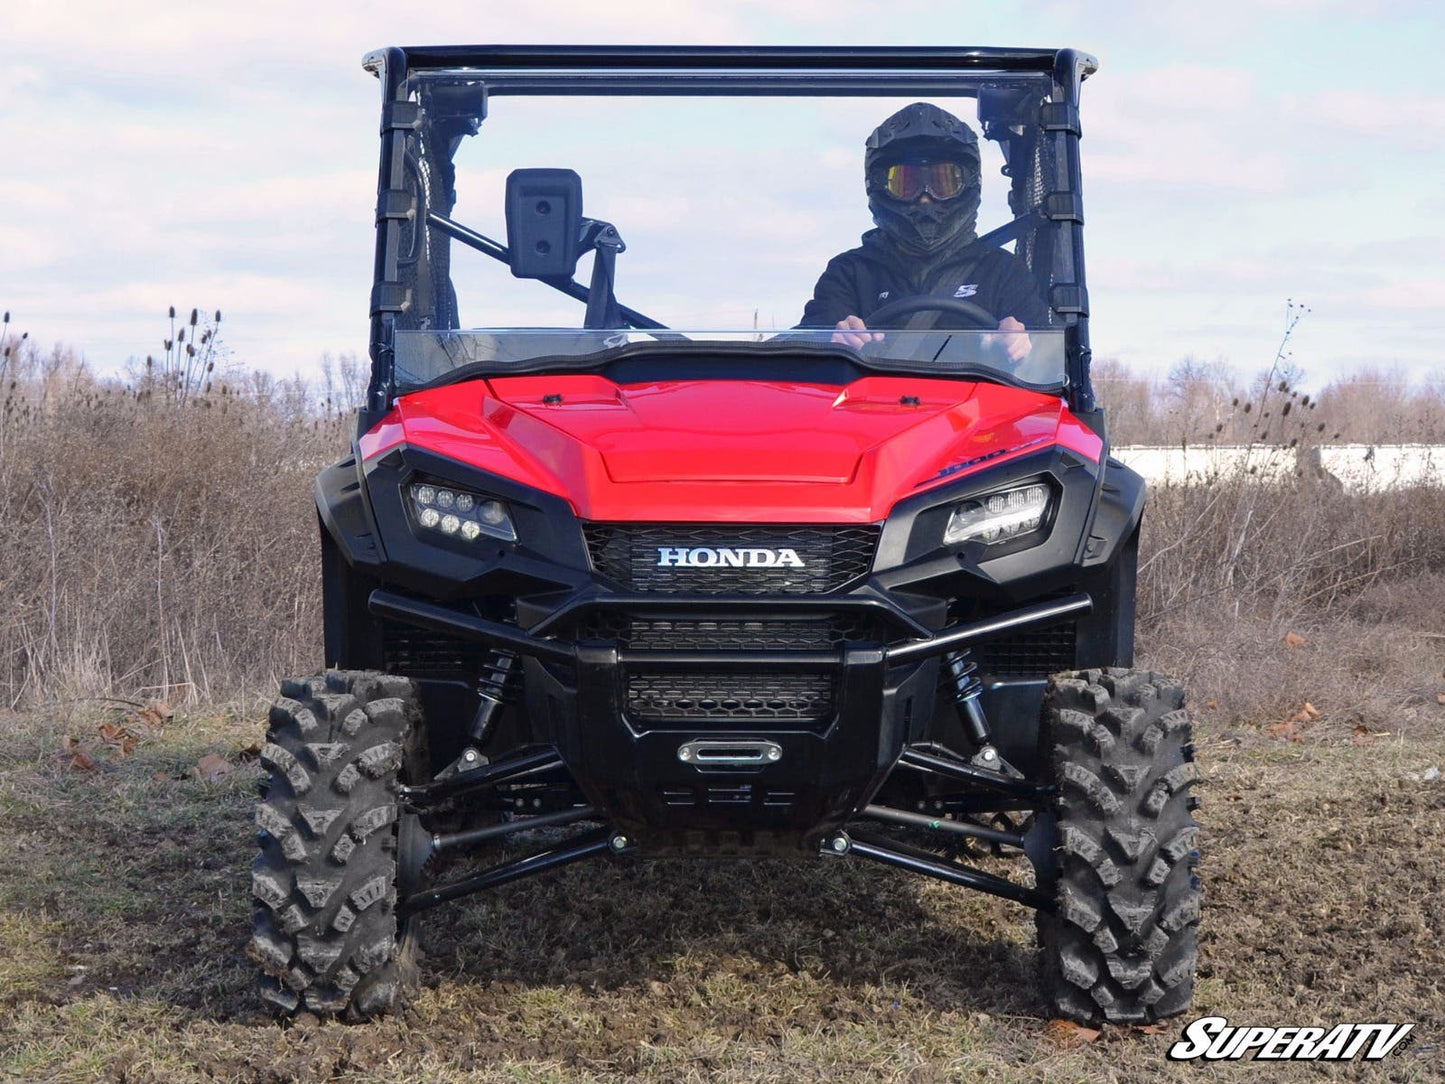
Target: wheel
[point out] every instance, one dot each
(1122, 944)
(332, 840)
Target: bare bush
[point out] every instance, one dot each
(1265, 597)
(1283, 550)
(155, 542)
(184, 369)
(1201, 403)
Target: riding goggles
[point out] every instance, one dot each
(941, 180)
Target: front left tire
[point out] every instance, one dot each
(332, 840)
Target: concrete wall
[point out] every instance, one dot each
(1356, 468)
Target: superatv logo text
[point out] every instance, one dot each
(708, 557)
(1214, 1039)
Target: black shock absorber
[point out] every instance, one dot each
(494, 686)
(967, 689)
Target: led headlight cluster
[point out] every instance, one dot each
(460, 514)
(998, 517)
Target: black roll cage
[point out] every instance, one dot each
(741, 71)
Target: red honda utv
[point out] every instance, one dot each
(601, 588)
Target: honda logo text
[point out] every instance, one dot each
(708, 557)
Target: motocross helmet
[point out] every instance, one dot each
(923, 135)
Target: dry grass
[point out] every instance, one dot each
(1287, 553)
(156, 546)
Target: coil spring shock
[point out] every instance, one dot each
(967, 694)
(495, 689)
(967, 689)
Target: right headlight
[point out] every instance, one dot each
(459, 514)
(1000, 516)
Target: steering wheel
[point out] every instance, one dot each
(924, 348)
(978, 316)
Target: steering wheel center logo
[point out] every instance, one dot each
(727, 557)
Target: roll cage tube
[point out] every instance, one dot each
(877, 71)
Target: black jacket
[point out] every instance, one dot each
(864, 279)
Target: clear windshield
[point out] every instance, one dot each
(729, 213)
(424, 357)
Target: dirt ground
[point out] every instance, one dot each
(124, 917)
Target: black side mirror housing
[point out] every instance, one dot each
(1006, 107)
(544, 222)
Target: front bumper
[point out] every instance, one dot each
(786, 784)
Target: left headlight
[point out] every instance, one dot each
(1000, 516)
(458, 514)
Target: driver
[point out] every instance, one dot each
(923, 177)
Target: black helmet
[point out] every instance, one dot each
(921, 130)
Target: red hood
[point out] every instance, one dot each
(729, 451)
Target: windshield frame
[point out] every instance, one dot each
(726, 70)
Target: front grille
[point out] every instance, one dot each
(830, 556)
(422, 652)
(727, 696)
(1029, 654)
(826, 633)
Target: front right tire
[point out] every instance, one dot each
(1122, 943)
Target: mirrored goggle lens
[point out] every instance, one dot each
(909, 180)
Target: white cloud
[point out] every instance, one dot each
(1428, 297)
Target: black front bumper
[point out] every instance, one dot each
(786, 783)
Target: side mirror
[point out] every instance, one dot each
(999, 106)
(544, 220)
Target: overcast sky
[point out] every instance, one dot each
(224, 156)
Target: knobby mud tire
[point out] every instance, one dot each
(326, 934)
(1123, 944)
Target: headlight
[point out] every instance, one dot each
(998, 517)
(459, 514)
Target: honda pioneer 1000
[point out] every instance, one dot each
(599, 588)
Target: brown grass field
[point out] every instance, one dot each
(124, 894)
